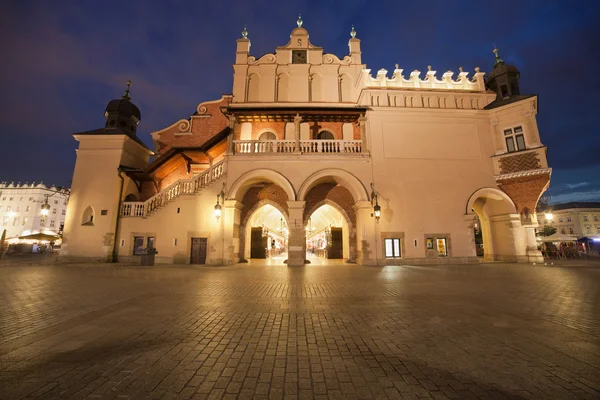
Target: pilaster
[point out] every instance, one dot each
(232, 210)
(366, 235)
(297, 234)
(362, 120)
(297, 122)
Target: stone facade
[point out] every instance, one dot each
(305, 129)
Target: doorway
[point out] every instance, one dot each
(198, 253)
(258, 243)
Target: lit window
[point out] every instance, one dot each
(585, 218)
(16, 221)
(150, 242)
(440, 245)
(392, 248)
(568, 219)
(515, 141)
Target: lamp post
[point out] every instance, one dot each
(376, 206)
(221, 198)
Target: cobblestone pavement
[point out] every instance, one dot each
(321, 331)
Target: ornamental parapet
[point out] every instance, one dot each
(463, 83)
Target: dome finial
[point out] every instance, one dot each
(245, 33)
(299, 21)
(498, 59)
(126, 94)
(352, 32)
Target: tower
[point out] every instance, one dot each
(99, 184)
(504, 79)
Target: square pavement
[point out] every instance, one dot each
(103, 331)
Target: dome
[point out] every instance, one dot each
(123, 106)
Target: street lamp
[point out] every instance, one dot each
(45, 207)
(549, 216)
(376, 207)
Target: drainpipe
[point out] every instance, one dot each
(115, 256)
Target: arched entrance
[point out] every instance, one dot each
(263, 196)
(496, 216)
(328, 233)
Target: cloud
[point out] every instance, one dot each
(592, 195)
(576, 185)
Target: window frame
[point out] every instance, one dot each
(396, 247)
(138, 250)
(515, 138)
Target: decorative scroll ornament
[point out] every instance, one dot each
(184, 125)
(202, 109)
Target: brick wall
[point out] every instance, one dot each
(333, 192)
(525, 191)
(256, 194)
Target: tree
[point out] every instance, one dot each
(547, 231)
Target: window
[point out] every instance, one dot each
(4, 198)
(392, 248)
(571, 231)
(585, 218)
(10, 199)
(588, 229)
(55, 201)
(25, 221)
(267, 136)
(21, 199)
(138, 245)
(64, 212)
(8, 208)
(88, 216)
(43, 221)
(324, 135)
(4, 221)
(28, 208)
(595, 218)
(150, 242)
(515, 141)
(16, 221)
(54, 211)
(597, 229)
(562, 231)
(568, 219)
(52, 222)
(440, 245)
(31, 199)
(560, 219)
(65, 203)
(103, 212)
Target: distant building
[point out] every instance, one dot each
(312, 155)
(576, 218)
(21, 208)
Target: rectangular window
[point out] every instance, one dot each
(31, 199)
(392, 248)
(138, 245)
(150, 242)
(55, 201)
(585, 218)
(4, 221)
(595, 218)
(588, 229)
(598, 229)
(515, 140)
(562, 231)
(54, 211)
(440, 245)
(8, 208)
(28, 208)
(571, 231)
(64, 212)
(4, 198)
(560, 219)
(52, 222)
(25, 221)
(16, 221)
(568, 219)
(43, 221)
(10, 198)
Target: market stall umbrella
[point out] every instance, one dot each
(558, 237)
(41, 236)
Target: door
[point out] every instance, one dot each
(198, 255)
(258, 243)
(335, 251)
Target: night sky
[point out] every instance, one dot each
(62, 62)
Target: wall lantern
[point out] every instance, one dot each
(221, 198)
(549, 216)
(376, 206)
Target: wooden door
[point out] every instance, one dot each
(336, 251)
(198, 255)
(258, 243)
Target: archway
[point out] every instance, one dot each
(328, 231)
(496, 216)
(266, 232)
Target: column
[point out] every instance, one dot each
(297, 236)
(366, 235)
(297, 121)
(533, 254)
(232, 210)
(231, 137)
(362, 120)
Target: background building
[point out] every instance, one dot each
(21, 208)
(576, 218)
(312, 154)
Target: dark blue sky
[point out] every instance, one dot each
(62, 62)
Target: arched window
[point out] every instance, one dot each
(325, 135)
(131, 197)
(267, 136)
(88, 216)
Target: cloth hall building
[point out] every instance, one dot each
(313, 155)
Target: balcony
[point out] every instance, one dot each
(289, 146)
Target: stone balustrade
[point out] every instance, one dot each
(173, 191)
(289, 146)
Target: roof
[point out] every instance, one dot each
(576, 204)
(111, 131)
(510, 100)
(123, 106)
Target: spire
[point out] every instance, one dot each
(245, 33)
(126, 94)
(299, 21)
(352, 32)
(498, 59)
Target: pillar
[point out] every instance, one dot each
(533, 254)
(297, 235)
(362, 120)
(231, 136)
(297, 121)
(232, 210)
(366, 235)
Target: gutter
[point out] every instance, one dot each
(115, 252)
